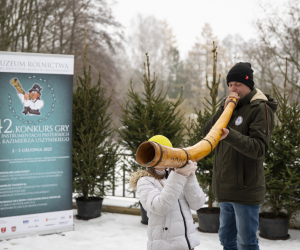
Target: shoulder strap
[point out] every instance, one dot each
(267, 119)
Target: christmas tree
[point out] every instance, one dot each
(282, 166)
(147, 114)
(204, 170)
(94, 153)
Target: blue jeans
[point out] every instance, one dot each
(238, 226)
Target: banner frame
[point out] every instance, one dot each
(55, 230)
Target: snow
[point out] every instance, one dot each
(120, 231)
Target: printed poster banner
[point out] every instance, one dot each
(35, 138)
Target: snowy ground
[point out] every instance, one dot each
(119, 231)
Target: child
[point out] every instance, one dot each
(168, 196)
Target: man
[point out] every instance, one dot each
(238, 173)
(32, 102)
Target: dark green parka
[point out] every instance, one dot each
(238, 173)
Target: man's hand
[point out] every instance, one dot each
(225, 133)
(26, 96)
(232, 95)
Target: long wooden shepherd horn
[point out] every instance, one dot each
(151, 154)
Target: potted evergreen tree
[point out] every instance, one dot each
(94, 153)
(282, 170)
(208, 217)
(145, 115)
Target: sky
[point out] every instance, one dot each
(187, 17)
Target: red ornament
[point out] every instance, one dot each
(247, 77)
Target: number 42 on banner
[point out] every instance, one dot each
(7, 131)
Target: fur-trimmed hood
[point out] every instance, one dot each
(259, 96)
(134, 177)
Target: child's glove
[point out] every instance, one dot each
(189, 169)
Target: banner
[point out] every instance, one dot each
(35, 141)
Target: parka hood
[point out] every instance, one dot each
(134, 177)
(260, 96)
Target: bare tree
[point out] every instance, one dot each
(279, 32)
(199, 67)
(155, 37)
(24, 24)
(56, 26)
(234, 49)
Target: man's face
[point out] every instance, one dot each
(241, 89)
(33, 95)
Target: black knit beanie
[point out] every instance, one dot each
(241, 72)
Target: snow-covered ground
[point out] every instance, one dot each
(119, 231)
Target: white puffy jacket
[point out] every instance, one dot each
(171, 225)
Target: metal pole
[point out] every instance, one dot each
(123, 181)
(113, 191)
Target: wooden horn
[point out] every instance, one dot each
(151, 154)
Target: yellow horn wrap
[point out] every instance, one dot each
(151, 154)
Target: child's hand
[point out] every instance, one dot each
(189, 169)
(195, 164)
